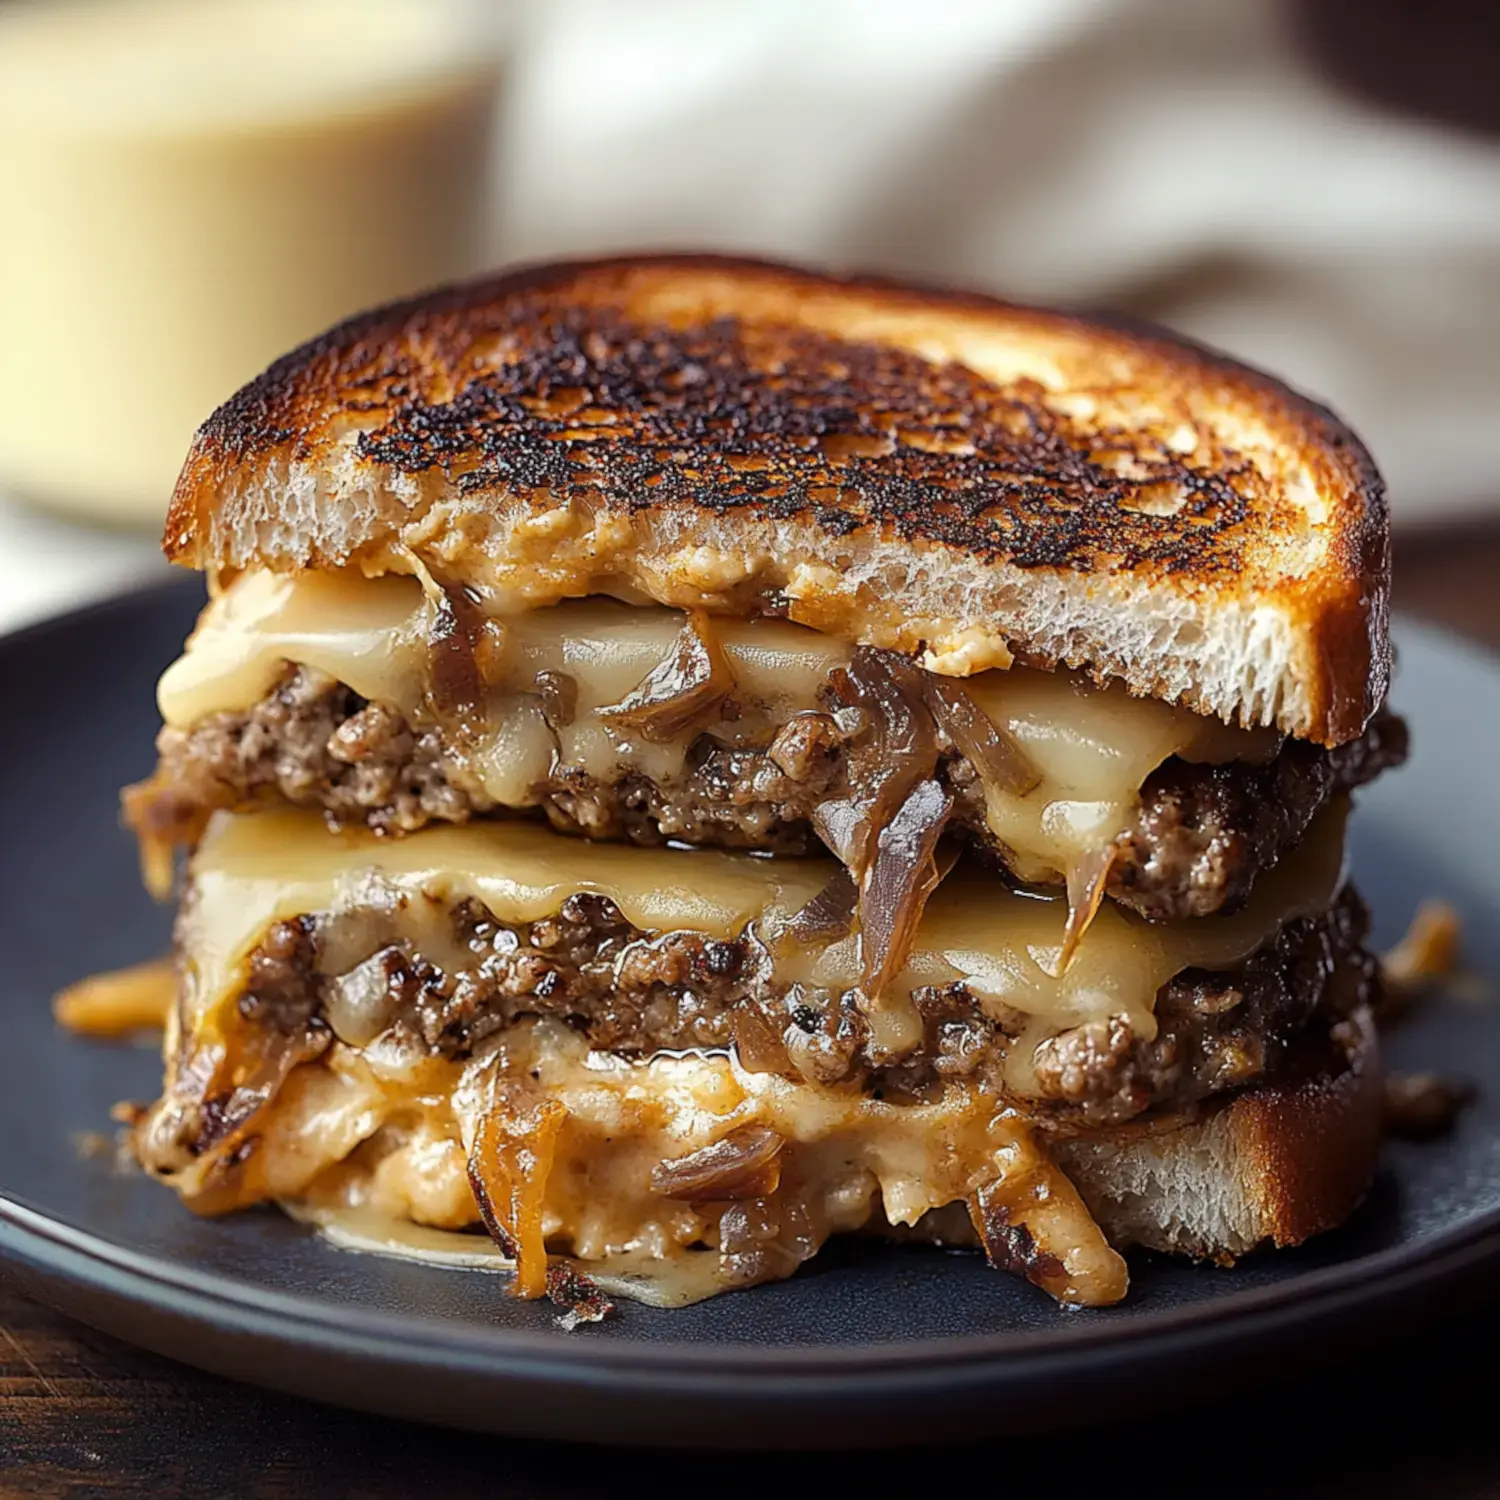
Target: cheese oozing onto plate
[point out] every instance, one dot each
(849, 1162)
(1092, 746)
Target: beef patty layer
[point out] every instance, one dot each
(634, 993)
(1200, 836)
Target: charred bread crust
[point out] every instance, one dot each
(690, 397)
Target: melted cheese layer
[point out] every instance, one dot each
(254, 870)
(1092, 746)
(849, 1161)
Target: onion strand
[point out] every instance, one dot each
(829, 916)
(1087, 878)
(902, 877)
(457, 685)
(1000, 763)
(679, 693)
(1027, 1210)
(740, 1165)
(510, 1160)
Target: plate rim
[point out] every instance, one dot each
(1345, 1286)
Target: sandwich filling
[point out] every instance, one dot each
(686, 758)
(384, 704)
(661, 1055)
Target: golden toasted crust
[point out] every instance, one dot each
(1313, 1141)
(1274, 1165)
(699, 397)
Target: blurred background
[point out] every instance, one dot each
(189, 187)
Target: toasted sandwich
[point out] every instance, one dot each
(685, 757)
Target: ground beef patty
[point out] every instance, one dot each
(1202, 833)
(635, 994)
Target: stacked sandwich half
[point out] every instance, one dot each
(685, 758)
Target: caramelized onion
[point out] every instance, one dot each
(757, 1045)
(904, 874)
(509, 1162)
(456, 683)
(260, 1062)
(897, 749)
(1022, 1214)
(886, 827)
(350, 934)
(215, 1096)
(578, 1295)
(361, 1003)
(559, 694)
(841, 823)
(119, 1002)
(1087, 878)
(1428, 950)
(995, 756)
(1010, 1246)
(829, 916)
(742, 1164)
(761, 1239)
(680, 692)
(162, 819)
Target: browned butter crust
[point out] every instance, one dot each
(783, 402)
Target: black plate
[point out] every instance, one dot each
(870, 1345)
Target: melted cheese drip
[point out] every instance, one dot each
(367, 632)
(251, 871)
(1093, 746)
(855, 1161)
(640, 1277)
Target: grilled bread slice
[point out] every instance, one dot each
(1277, 1164)
(931, 471)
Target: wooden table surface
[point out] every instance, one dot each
(81, 1414)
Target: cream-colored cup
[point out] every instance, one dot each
(190, 187)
